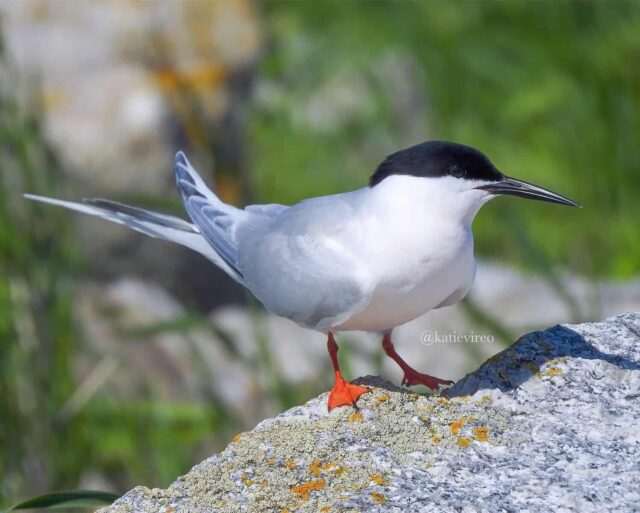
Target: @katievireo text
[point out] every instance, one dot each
(433, 337)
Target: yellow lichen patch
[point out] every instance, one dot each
(465, 399)
(246, 481)
(457, 425)
(481, 433)
(464, 441)
(554, 371)
(442, 401)
(485, 399)
(289, 464)
(382, 398)
(379, 480)
(303, 490)
(237, 437)
(356, 417)
(436, 439)
(325, 509)
(339, 471)
(378, 498)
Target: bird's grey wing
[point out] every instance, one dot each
(216, 220)
(269, 210)
(301, 264)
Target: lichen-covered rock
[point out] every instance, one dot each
(550, 424)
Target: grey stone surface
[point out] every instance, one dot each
(550, 424)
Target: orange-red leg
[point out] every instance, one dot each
(411, 376)
(343, 393)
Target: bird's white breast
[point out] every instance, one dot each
(418, 256)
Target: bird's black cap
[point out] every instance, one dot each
(435, 159)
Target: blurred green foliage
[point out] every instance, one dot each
(550, 91)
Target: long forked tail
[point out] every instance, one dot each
(154, 224)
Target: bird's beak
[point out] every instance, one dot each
(516, 187)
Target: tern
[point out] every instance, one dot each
(367, 260)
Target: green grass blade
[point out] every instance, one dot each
(75, 499)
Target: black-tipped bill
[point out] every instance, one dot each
(516, 187)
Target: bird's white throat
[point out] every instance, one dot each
(442, 198)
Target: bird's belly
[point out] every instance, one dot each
(396, 302)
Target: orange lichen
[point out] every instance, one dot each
(325, 509)
(271, 461)
(314, 468)
(289, 464)
(378, 497)
(379, 480)
(464, 441)
(382, 398)
(481, 433)
(249, 482)
(303, 490)
(457, 425)
(554, 371)
(237, 437)
(356, 417)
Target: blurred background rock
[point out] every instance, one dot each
(124, 360)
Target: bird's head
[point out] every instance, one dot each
(458, 171)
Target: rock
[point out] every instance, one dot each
(551, 423)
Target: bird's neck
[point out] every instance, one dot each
(442, 200)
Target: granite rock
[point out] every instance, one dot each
(550, 424)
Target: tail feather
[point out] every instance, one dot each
(153, 224)
(142, 214)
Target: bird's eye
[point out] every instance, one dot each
(457, 171)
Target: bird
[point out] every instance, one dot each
(370, 259)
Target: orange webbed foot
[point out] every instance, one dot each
(344, 393)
